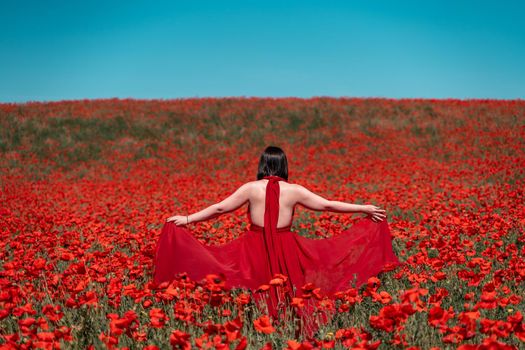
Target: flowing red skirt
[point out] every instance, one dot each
(332, 264)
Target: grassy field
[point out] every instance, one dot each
(87, 185)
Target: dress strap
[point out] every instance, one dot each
(271, 216)
(275, 177)
(271, 205)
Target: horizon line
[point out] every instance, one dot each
(244, 97)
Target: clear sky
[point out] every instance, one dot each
(57, 50)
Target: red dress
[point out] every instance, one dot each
(259, 253)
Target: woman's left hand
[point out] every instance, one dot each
(178, 220)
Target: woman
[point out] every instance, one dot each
(269, 247)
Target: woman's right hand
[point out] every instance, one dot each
(375, 213)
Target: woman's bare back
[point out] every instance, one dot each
(287, 201)
(254, 192)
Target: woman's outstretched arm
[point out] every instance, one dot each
(315, 202)
(234, 201)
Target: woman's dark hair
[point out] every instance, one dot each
(273, 162)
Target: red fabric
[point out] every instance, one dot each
(261, 252)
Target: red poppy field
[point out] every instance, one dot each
(86, 187)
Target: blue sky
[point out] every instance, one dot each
(58, 50)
